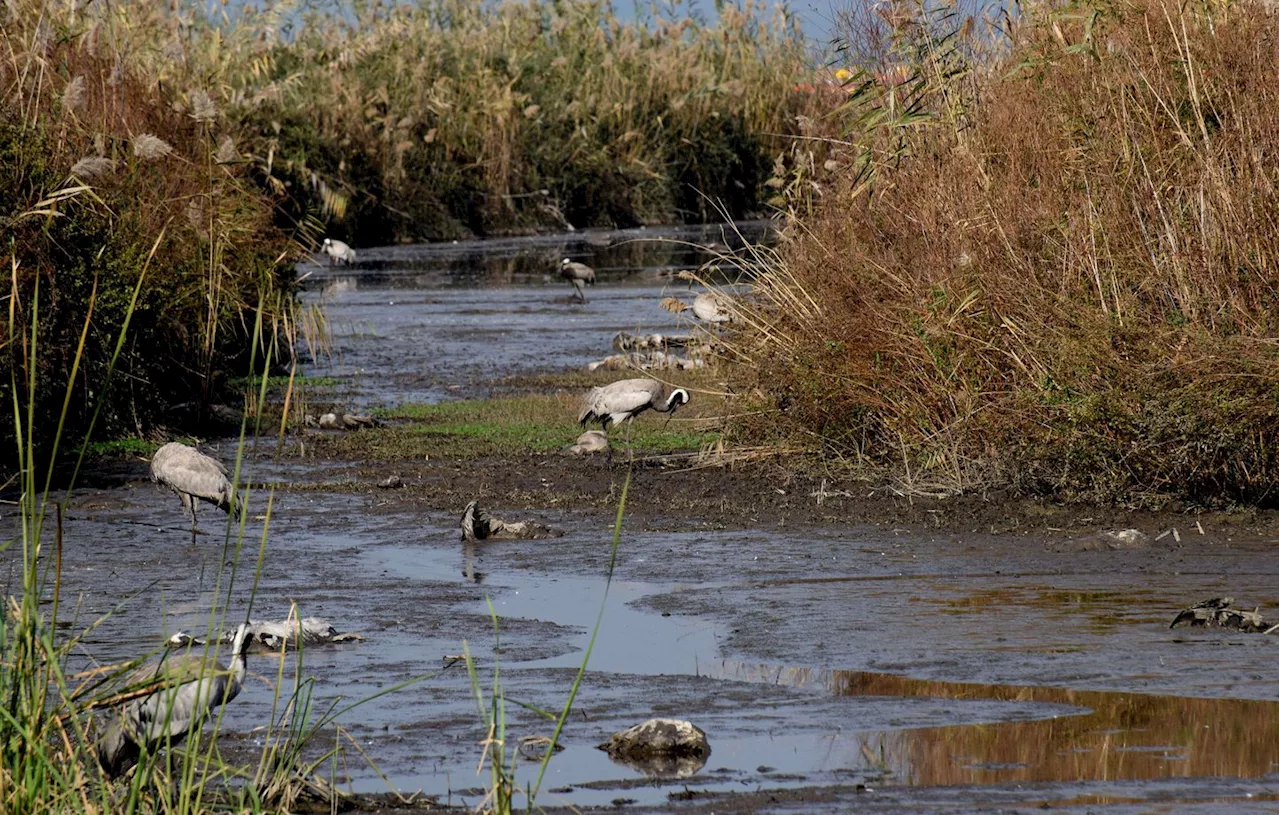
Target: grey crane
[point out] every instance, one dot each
(338, 252)
(580, 275)
(194, 477)
(189, 689)
(626, 399)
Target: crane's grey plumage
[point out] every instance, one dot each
(580, 275)
(189, 689)
(338, 252)
(626, 399)
(194, 477)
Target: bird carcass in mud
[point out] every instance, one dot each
(478, 525)
(277, 635)
(1218, 613)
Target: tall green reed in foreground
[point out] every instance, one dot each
(47, 733)
(502, 757)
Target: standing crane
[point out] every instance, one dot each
(194, 477)
(338, 252)
(189, 689)
(580, 275)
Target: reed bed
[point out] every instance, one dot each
(1046, 259)
(447, 118)
(110, 167)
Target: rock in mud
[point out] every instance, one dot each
(391, 482)
(593, 441)
(667, 748)
(478, 525)
(1218, 613)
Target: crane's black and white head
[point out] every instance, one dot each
(564, 263)
(678, 397)
(327, 243)
(241, 639)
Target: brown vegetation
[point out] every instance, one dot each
(1055, 268)
(116, 182)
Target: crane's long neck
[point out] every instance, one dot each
(239, 649)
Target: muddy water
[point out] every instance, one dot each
(833, 667)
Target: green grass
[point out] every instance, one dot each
(120, 448)
(512, 425)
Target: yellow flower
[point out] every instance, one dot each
(844, 74)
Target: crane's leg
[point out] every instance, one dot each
(631, 453)
(579, 291)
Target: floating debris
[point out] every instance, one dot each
(666, 748)
(534, 748)
(276, 636)
(478, 525)
(1111, 539)
(1217, 613)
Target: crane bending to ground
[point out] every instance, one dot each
(626, 399)
(194, 477)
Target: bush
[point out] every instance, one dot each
(1059, 272)
(106, 180)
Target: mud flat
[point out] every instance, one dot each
(842, 646)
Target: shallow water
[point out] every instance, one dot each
(422, 323)
(903, 669)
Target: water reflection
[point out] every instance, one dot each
(631, 255)
(1119, 736)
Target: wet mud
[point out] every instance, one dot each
(857, 651)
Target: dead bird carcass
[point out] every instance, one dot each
(667, 748)
(1217, 612)
(347, 421)
(478, 525)
(592, 441)
(279, 635)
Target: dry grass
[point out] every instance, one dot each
(450, 117)
(1062, 275)
(107, 170)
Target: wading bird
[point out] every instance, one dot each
(580, 275)
(709, 307)
(189, 689)
(194, 477)
(338, 252)
(626, 399)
